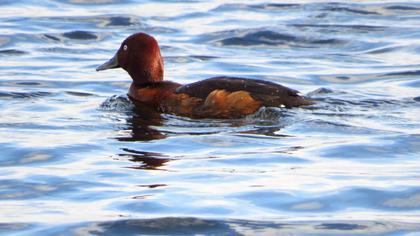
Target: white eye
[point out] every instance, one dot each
(125, 47)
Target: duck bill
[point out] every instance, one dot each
(111, 64)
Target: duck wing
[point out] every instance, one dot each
(267, 93)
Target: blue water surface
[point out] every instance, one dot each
(77, 157)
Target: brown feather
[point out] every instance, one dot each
(265, 92)
(219, 103)
(223, 104)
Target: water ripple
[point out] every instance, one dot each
(72, 139)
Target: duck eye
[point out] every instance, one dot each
(125, 47)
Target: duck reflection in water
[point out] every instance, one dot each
(146, 160)
(141, 123)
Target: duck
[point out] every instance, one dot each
(221, 97)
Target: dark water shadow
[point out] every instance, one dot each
(200, 226)
(271, 37)
(12, 52)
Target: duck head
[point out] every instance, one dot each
(139, 55)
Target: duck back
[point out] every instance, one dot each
(265, 92)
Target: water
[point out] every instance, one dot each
(78, 158)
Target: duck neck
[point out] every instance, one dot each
(145, 77)
(146, 70)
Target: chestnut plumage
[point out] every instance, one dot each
(218, 97)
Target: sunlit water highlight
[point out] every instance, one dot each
(78, 158)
